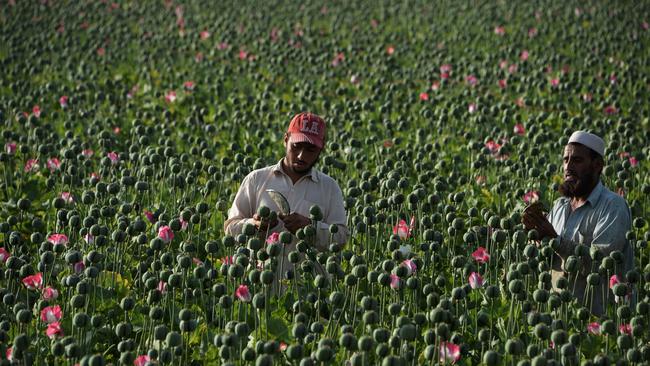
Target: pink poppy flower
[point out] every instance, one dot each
(67, 197)
(101, 51)
(33, 282)
(222, 46)
(424, 96)
(198, 57)
(242, 293)
(610, 109)
(197, 261)
(141, 360)
(532, 32)
(374, 23)
(9, 353)
(625, 329)
(435, 86)
(480, 180)
(10, 148)
(273, 238)
(242, 54)
(519, 129)
(613, 280)
(51, 314)
(53, 164)
(555, 82)
(113, 157)
(512, 68)
(411, 267)
(87, 153)
(79, 267)
(445, 69)
(481, 255)
(204, 35)
(523, 56)
(475, 280)
(587, 97)
(503, 83)
(390, 50)
(402, 230)
(275, 34)
(594, 328)
(188, 85)
(95, 176)
(612, 79)
(4, 255)
(577, 11)
(166, 234)
(54, 330)
(150, 216)
(283, 346)
(89, 238)
(50, 293)
(394, 281)
(184, 224)
(633, 161)
(36, 111)
(645, 25)
(58, 239)
(531, 197)
(63, 101)
(471, 80)
(449, 352)
(499, 30)
(162, 287)
(31, 166)
(340, 57)
(503, 64)
(520, 102)
(228, 260)
(170, 97)
(471, 108)
(493, 146)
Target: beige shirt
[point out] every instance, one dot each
(315, 188)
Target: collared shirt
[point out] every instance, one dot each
(314, 188)
(602, 222)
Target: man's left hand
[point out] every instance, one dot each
(294, 221)
(536, 220)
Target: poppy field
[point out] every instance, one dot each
(128, 126)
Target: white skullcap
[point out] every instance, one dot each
(589, 140)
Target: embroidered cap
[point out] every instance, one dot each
(589, 140)
(307, 127)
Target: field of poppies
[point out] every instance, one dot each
(128, 126)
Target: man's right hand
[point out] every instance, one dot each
(263, 224)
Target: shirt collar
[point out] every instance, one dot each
(312, 174)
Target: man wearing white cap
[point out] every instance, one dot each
(588, 214)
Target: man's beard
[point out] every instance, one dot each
(580, 188)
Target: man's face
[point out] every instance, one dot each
(300, 156)
(580, 171)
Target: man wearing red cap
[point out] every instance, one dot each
(588, 214)
(300, 183)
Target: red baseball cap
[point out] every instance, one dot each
(307, 127)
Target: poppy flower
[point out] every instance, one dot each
(166, 234)
(53, 330)
(499, 30)
(481, 255)
(555, 82)
(424, 96)
(63, 101)
(394, 281)
(613, 280)
(113, 157)
(10, 148)
(4, 255)
(493, 146)
(354, 79)
(9, 354)
(435, 86)
(53, 164)
(51, 314)
(610, 109)
(633, 162)
(50, 293)
(33, 282)
(475, 280)
(594, 328)
(36, 111)
(150, 216)
(449, 352)
(188, 85)
(141, 360)
(532, 32)
(519, 129)
(471, 80)
(89, 238)
(58, 239)
(523, 56)
(67, 197)
(101, 51)
(625, 329)
(512, 68)
(645, 25)
(242, 293)
(390, 50)
(222, 46)
(587, 97)
(204, 35)
(410, 266)
(162, 287)
(170, 97)
(503, 83)
(531, 197)
(471, 108)
(79, 267)
(340, 57)
(31, 165)
(402, 230)
(273, 238)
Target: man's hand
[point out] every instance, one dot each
(534, 219)
(294, 221)
(263, 224)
